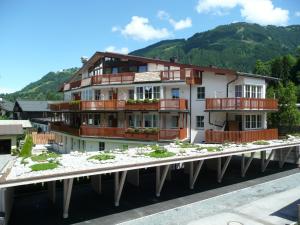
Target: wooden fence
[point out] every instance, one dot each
(42, 138)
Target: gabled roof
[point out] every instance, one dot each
(33, 106)
(6, 105)
(11, 129)
(98, 55)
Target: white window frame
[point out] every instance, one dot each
(200, 122)
(253, 122)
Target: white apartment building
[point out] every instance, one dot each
(117, 100)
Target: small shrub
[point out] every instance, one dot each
(130, 130)
(210, 149)
(44, 156)
(44, 166)
(186, 145)
(261, 143)
(161, 154)
(130, 101)
(75, 102)
(27, 147)
(155, 100)
(147, 100)
(102, 157)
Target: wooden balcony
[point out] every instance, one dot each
(127, 77)
(95, 131)
(60, 127)
(227, 104)
(190, 76)
(214, 136)
(162, 104)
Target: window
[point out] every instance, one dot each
(97, 119)
(101, 146)
(248, 91)
(200, 122)
(156, 92)
(175, 93)
(90, 120)
(133, 69)
(259, 91)
(131, 94)
(148, 92)
(139, 93)
(150, 120)
(142, 69)
(253, 121)
(138, 120)
(114, 70)
(110, 94)
(130, 121)
(97, 94)
(174, 121)
(253, 91)
(238, 91)
(200, 92)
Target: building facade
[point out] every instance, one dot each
(116, 100)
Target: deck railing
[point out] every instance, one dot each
(215, 136)
(162, 104)
(126, 77)
(61, 127)
(241, 104)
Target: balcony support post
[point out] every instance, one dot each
(194, 172)
(244, 167)
(119, 184)
(67, 188)
(96, 183)
(52, 190)
(283, 157)
(264, 162)
(160, 178)
(222, 170)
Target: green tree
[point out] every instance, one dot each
(288, 114)
(262, 68)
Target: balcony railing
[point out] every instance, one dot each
(117, 132)
(127, 77)
(60, 127)
(215, 136)
(241, 104)
(162, 104)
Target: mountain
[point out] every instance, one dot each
(236, 46)
(45, 88)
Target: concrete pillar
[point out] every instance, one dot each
(96, 183)
(52, 190)
(133, 177)
(6, 203)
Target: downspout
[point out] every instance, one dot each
(227, 93)
(190, 106)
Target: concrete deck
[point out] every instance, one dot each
(271, 203)
(4, 159)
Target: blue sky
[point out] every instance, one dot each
(38, 36)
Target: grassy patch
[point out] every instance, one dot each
(210, 149)
(160, 152)
(261, 143)
(43, 166)
(102, 157)
(44, 157)
(27, 147)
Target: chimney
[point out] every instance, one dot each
(84, 59)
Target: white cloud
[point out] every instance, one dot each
(140, 29)
(4, 90)
(177, 25)
(112, 48)
(163, 15)
(297, 13)
(256, 11)
(181, 24)
(115, 28)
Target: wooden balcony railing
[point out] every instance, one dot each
(172, 134)
(214, 136)
(241, 104)
(103, 105)
(60, 127)
(189, 75)
(162, 104)
(102, 131)
(127, 77)
(173, 104)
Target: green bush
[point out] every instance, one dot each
(27, 147)
(261, 143)
(130, 101)
(44, 166)
(102, 156)
(210, 149)
(44, 156)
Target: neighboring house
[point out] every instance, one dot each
(36, 111)
(6, 108)
(116, 100)
(8, 137)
